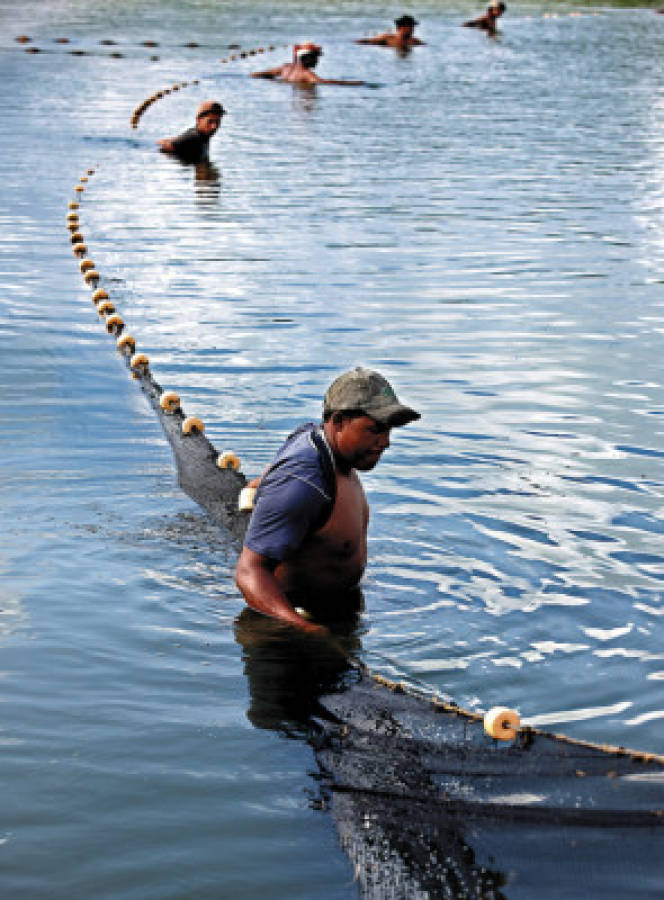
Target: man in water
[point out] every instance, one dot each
(192, 145)
(305, 549)
(487, 22)
(300, 70)
(403, 38)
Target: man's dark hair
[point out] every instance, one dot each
(310, 59)
(405, 22)
(210, 109)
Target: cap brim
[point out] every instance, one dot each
(394, 416)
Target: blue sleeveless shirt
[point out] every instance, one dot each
(295, 496)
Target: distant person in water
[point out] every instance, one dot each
(487, 22)
(300, 70)
(192, 145)
(402, 39)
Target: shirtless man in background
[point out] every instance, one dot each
(487, 22)
(300, 70)
(402, 39)
(305, 549)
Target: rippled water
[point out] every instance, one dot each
(483, 223)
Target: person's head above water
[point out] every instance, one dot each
(497, 9)
(366, 392)
(402, 39)
(208, 116)
(405, 22)
(192, 145)
(307, 54)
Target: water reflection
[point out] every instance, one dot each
(423, 807)
(304, 97)
(399, 846)
(207, 183)
(287, 671)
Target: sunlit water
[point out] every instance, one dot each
(483, 223)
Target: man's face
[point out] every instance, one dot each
(360, 441)
(208, 124)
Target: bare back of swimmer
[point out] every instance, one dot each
(300, 70)
(401, 39)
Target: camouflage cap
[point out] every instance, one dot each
(370, 393)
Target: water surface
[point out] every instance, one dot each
(483, 224)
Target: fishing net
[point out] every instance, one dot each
(426, 804)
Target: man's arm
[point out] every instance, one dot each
(338, 81)
(254, 575)
(190, 146)
(268, 73)
(380, 39)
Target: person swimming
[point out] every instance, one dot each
(401, 39)
(300, 70)
(487, 22)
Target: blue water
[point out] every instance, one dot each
(482, 224)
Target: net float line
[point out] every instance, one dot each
(174, 88)
(29, 47)
(158, 95)
(25, 39)
(222, 470)
(522, 733)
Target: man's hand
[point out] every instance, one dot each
(254, 575)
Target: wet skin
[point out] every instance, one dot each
(487, 22)
(331, 560)
(403, 38)
(300, 71)
(207, 125)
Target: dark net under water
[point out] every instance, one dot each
(216, 489)
(426, 804)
